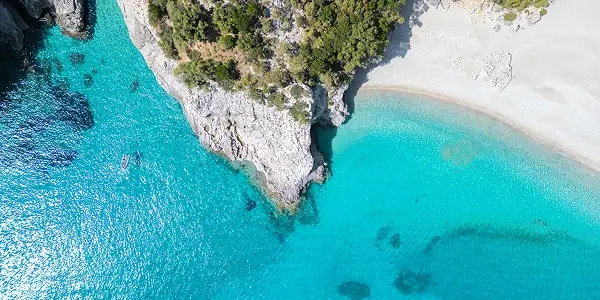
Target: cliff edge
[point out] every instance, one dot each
(279, 148)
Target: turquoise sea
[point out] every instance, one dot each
(425, 200)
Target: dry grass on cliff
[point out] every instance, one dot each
(217, 52)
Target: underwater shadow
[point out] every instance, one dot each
(90, 18)
(15, 65)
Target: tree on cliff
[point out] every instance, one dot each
(337, 36)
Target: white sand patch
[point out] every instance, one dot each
(544, 80)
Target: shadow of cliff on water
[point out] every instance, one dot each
(15, 65)
(90, 18)
(399, 45)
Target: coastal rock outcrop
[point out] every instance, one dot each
(11, 26)
(494, 16)
(69, 16)
(493, 69)
(279, 148)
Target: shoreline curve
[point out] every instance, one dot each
(548, 144)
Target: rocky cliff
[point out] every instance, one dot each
(11, 25)
(69, 16)
(279, 148)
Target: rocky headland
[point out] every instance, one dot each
(279, 150)
(69, 14)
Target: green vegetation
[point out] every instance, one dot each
(522, 4)
(299, 112)
(344, 34)
(338, 36)
(510, 16)
(541, 3)
(543, 12)
(228, 41)
(277, 99)
(199, 72)
(297, 92)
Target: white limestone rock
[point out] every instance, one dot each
(237, 127)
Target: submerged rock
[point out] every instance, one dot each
(134, 86)
(250, 204)
(77, 58)
(395, 241)
(354, 290)
(411, 282)
(308, 213)
(77, 111)
(58, 66)
(88, 80)
(137, 158)
(382, 233)
(62, 158)
(434, 240)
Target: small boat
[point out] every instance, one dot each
(125, 161)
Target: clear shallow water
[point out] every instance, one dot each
(460, 205)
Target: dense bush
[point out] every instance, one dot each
(339, 36)
(228, 41)
(200, 72)
(541, 3)
(165, 34)
(522, 4)
(297, 92)
(276, 99)
(155, 13)
(190, 22)
(299, 112)
(510, 16)
(237, 17)
(345, 34)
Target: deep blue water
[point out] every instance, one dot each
(426, 200)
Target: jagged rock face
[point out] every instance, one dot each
(11, 26)
(35, 7)
(69, 15)
(241, 129)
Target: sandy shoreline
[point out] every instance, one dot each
(554, 92)
(549, 144)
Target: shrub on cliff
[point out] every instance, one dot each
(198, 73)
(155, 13)
(228, 41)
(297, 92)
(299, 112)
(345, 34)
(276, 99)
(191, 22)
(510, 16)
(337, 36)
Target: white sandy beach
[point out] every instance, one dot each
(554, 94)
